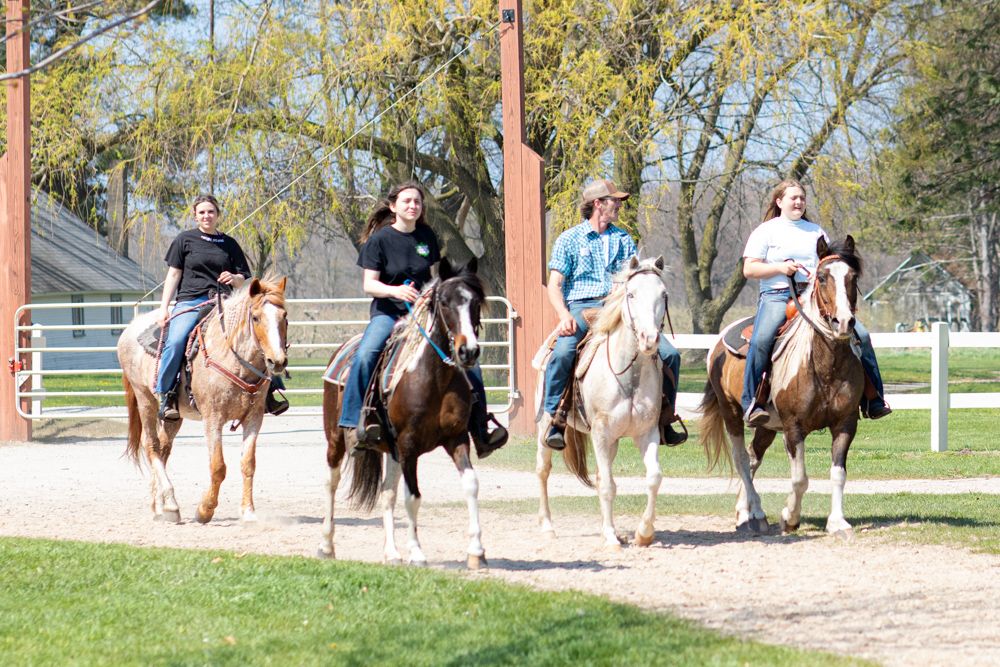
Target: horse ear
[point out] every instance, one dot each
(822, 248)
(445, 269)
(282, 283)
(658, 262)
(849, 244)
(255, 287)
(473, 265)
(633, 263)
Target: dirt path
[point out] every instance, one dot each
(899, 605)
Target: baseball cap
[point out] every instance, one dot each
(602, 188)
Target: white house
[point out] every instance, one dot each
(72, 264)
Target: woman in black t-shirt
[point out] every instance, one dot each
(398, 247)
(200, 262)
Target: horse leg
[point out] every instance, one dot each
(836, 524)
(470, 485)
(157, 439)
(649, 450)
(543, 467)
(217, 471)
(750, 515)
(795, 445)
(605, 449)
(248, 466)
(412, 502)
(326, 545)
(390, 485)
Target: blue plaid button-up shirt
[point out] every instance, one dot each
(579, 256)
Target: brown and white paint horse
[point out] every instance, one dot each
(247, 345)
(816, 383)
(428, 408)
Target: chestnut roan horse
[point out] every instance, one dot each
(816, 383)
(238, 353)
(429, 407)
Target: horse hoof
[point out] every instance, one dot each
(759, 526)
(323, 554)
(844, 535)
(418, 563)
(744, 528)
(549, 534)
(169, 516)
(613, 546)
(787, 528)
(393, 561)
(476, 562)
(203, 517)
(643, 540)
(249, 517)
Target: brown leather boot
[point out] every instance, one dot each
(669, 436)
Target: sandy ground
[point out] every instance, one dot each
(872, 598)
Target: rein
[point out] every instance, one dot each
(447, 360)
(798, 306)
(262, 376)
(631, 324)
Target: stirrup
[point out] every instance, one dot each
(554, 438)
(670, 437)
(275, 406)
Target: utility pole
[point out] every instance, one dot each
(524, 221)
(15, 220)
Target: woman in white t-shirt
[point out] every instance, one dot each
(782, 246)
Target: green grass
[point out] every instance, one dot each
(90, 604)
(965, 520)
(897, 447)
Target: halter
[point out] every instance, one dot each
(631, 324)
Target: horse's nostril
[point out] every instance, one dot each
(850, 323)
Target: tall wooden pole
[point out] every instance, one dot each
(524, 220)
(15, 217)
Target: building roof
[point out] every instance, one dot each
(919, 273)
(67, 255)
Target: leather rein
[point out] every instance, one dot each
(250, 388)
(798, 306)
(631, 322)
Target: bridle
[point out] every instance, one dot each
(631, 323)
(436, 316)
(802, 313)
(262, 376)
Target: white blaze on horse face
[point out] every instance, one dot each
(273, 327)
(646, 309)
(839, 271)
(465, 319)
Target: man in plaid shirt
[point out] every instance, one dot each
(584, 259)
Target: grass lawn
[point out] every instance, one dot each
(92, 604)
(964, 520)
(897, 447)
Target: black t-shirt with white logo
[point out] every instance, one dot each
(398, 257)
(201, 258)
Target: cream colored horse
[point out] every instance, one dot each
(621, 388)
(229, 383)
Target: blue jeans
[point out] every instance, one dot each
(372, 343)
(172, 354)
(770, 316)
(564, 353)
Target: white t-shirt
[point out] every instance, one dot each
(779, 239)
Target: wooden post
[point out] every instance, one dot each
(524, 220)
(15, 218)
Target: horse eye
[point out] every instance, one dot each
(255, 318)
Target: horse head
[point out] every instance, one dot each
(645, 298)
(835, 284)
(269, 322)
(457, 300)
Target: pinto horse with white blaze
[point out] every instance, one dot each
(816, 383)
(620, 385)
(428, 407)
(240, 347)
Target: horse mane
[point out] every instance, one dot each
(610, 316)
(848, 254)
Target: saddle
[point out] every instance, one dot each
(736, 337)
(149, 338)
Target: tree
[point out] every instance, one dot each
(942, 170)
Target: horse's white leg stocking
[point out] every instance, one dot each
(412, 503)
(217, 470)
(326, 548)
(470, 485)
(165, 505)
(248, 466)
(604, 451)
(791, 513)
(390, 484)
(543, 467)
(749, 513)
(650, 452)
(836, 523)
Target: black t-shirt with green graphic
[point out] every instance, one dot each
(399, 257)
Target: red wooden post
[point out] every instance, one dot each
(524, 220)
(15, 217)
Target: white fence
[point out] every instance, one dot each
(30, 380)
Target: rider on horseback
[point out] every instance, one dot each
(784, 247)
(400, 253)
(583, 260)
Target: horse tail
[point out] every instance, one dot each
(575, 454)
(366, 479)
(134, 422)
(713, 432)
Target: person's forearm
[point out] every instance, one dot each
(554, 290)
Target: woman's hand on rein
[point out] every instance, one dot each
(789, 267)
(407, 293)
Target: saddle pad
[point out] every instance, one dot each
(735, 340)
(336, 372)
(149, 338)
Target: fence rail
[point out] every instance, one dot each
(939, 340)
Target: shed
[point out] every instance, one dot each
(918, 292)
